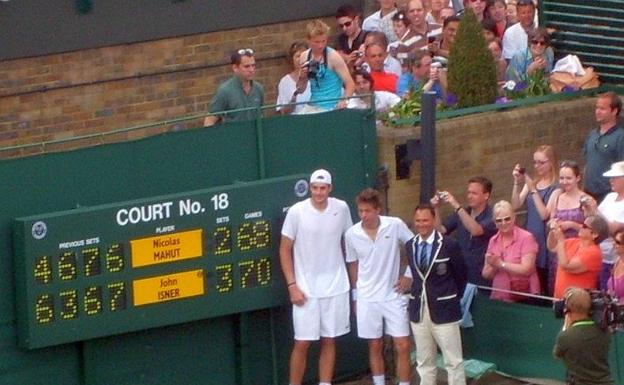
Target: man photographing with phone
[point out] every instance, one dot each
(582, 345)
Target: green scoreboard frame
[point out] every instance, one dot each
(99, 271)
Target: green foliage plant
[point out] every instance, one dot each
(471, 67)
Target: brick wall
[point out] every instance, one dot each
(488, 144)
(86, 92)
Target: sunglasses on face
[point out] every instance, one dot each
(539, 42)
(245, 51)
(346, 24)
(502, 220)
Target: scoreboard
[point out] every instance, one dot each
(98, 271)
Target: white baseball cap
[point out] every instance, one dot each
(617, 169)
(321, 176)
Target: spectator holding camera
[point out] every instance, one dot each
(578, 259)
(294, 87)
(566, 205)
(327, 72)
(566, 208)
(421, 75)
(442, 46)
(612, 209)
(510, 257)
(582, 345)
(472, 224)
(536, 191)
(351, 36)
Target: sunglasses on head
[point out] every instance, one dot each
(245, 51)
(539, 42)
(346, 24)
(501, 220)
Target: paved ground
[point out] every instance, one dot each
(486, 379)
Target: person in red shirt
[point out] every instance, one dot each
(579, 259)
(375, 55)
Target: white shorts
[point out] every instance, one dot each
(372, 316)
(322, 317)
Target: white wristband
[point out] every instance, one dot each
(353, 294)
(503, 265)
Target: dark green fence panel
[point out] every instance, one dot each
(209, 351)
(591, 29)
(519, 339)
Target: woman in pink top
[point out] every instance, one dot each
(510, 257)
(615, 284)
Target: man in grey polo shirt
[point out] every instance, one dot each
(238, 92)
(604, 145)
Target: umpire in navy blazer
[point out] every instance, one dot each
(439, 277)
(445, 279)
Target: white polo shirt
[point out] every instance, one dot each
(613, 211)
(514, 40)
(378, 260)
(320, 269)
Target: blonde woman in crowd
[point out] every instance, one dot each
(535, 189)
(510, 257)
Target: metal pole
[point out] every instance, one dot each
(427, 142)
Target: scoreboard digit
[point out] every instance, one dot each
(111, 269)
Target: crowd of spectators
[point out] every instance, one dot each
(571, 218)
(574, 230)
(405, 46)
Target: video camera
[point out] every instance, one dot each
(605, 310)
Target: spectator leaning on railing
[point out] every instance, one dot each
(578, 259)
(240, 91)
(327, 72)
(612, 209)
(294, 87)
(510, 257)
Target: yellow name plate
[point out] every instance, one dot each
(168, 287)
(166, 248)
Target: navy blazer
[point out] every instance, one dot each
(444, 281)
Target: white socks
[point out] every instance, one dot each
(379, 380)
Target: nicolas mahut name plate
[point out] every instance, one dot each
(165, 249)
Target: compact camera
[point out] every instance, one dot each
(441, 195)
(522, 170)
(584, 200)
(313, 68)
